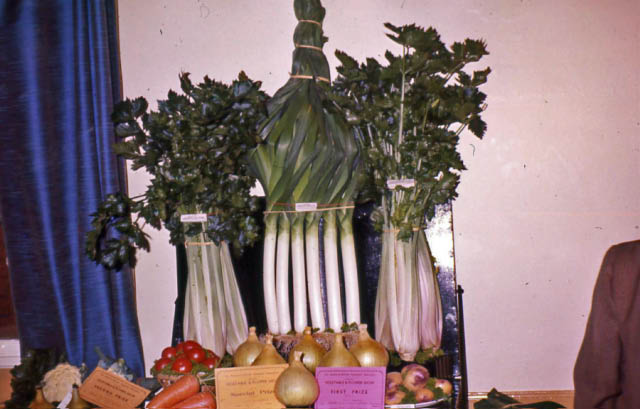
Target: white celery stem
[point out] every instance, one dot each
(350, 269)
(269, 272)
(381, 313)
(334, 301)
(430, 306)
(216, 298)
(391, 289)
(282, 275)
(313, 272)
(299, 276)
(237, 326)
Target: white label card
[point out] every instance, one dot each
(64, 402)
(306, 207)
(393, 183)
(193, 218)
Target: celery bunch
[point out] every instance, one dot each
(411, 112)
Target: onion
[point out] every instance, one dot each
(296, 387)
(312, 351)
(249, 350)
(339, 355)
(269, 355)
(368, 351)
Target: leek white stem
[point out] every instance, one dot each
(269, 273)
(282, 275)
(299, 279)
(313, 271)
(332, 271)
(350, 269)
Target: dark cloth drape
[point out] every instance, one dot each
(59, 77)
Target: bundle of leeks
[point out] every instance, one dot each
(411, 112)
(307, 163)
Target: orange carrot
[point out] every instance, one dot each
(178, 391)
(200, 400)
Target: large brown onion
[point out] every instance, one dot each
(296, 387)
(249, 350)
(312, 351)
(269, 355)
(368, 351)
(339, 355)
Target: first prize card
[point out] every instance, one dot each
(351, 388)
(248, 387)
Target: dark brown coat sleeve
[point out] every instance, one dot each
(597, 370)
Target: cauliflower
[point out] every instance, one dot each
(59, 381)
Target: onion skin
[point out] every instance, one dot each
(312, 351)
(269, 355)
(368, 351)
(339, 355)
(296, 387)
(249, 350)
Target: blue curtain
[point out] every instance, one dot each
(59, 78)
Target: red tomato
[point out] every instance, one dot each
(210, 363)
(189, 345)
(210, 354)
(161, 363)
(169, 352)
(180, 348)
(182, 365)
(196, 354)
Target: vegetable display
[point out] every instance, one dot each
(307, 155)
(193, 147)
(411, 112)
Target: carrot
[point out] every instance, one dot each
(178, 391)
(199, 400)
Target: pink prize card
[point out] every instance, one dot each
(350, 388)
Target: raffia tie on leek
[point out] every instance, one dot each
(307, 153)
(411, 115)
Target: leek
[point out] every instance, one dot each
(307, 154)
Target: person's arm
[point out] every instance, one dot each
(596, 373)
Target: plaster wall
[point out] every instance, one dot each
(553, 184)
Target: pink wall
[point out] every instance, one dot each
(551, 186)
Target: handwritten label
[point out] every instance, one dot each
(350, 388)
(193, 218)
(109, 390)
(306, 207)
(248, 387)
(393, 183)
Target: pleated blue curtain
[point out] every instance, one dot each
(59, 78)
